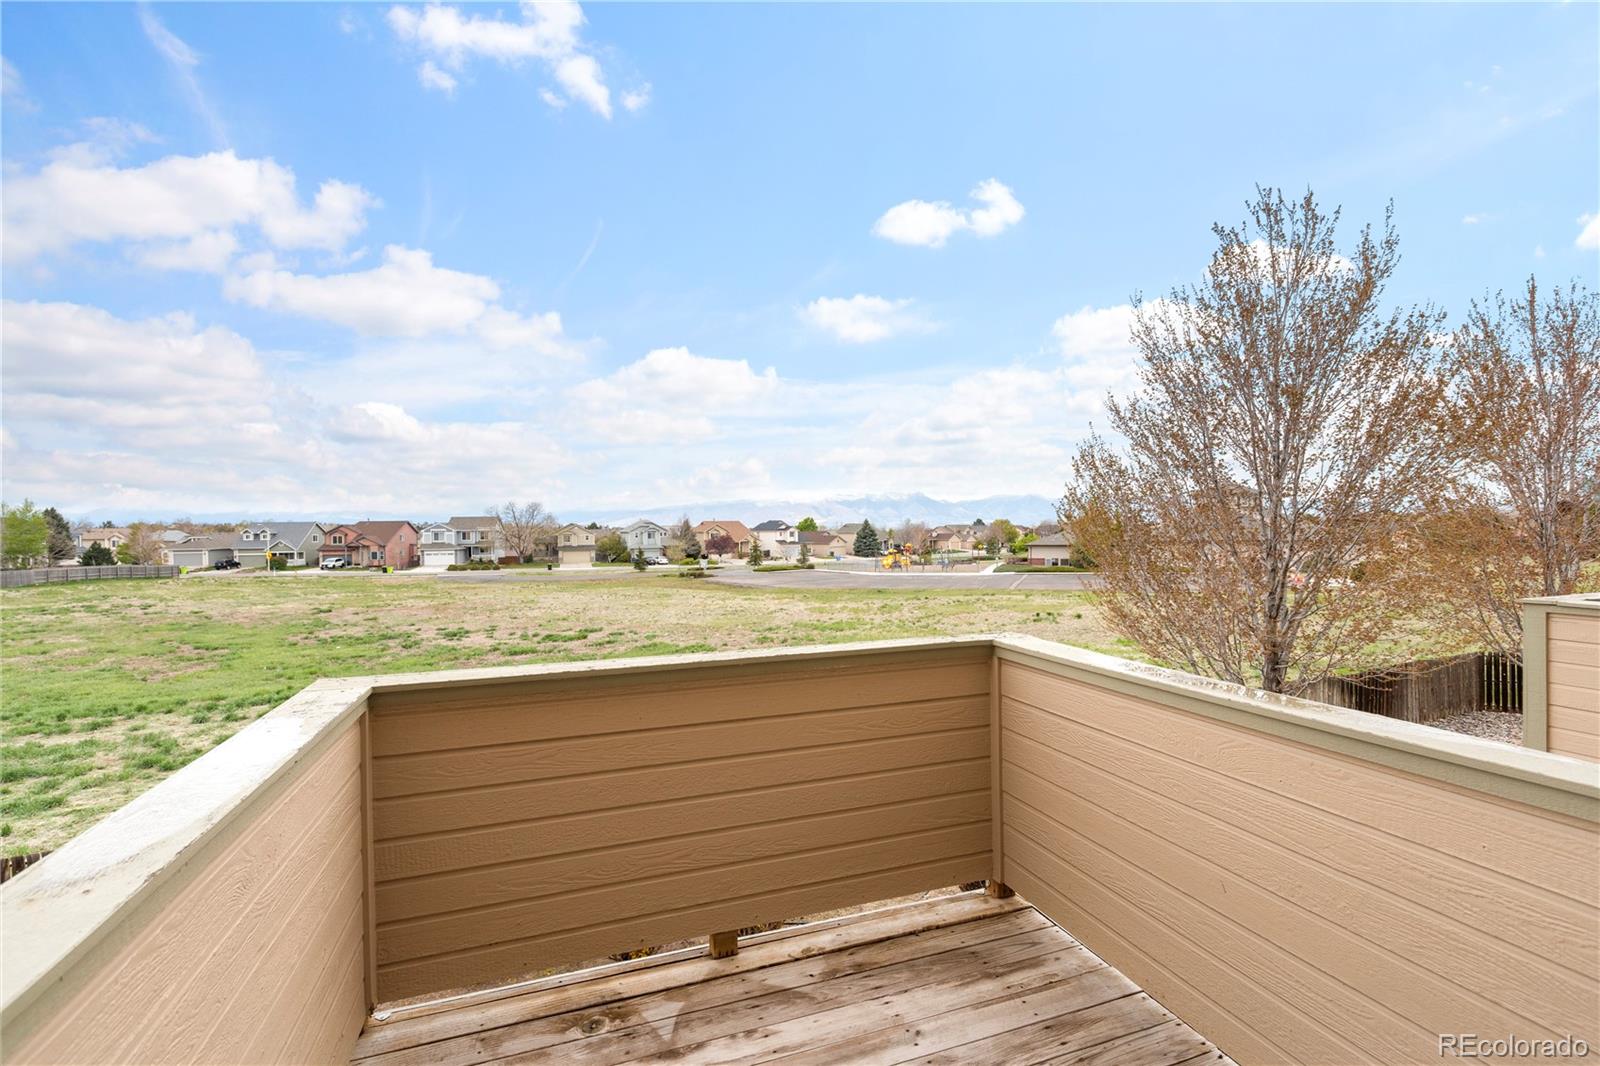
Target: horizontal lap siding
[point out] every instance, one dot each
(1573, 674)
(255, 958)
(523, 826)
(1293, 904)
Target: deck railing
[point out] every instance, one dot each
(1298, 882)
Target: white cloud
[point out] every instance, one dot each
(166, 415)
(207, 253)
(547, 32)
(78, 197)
(406, 296)
(432, 77)
(11, 88)
(554, 99)
(861, 319)
(671, 395)
(636, 99)
(1589, 235)
(184, 61)
(931, 224)
(1538, 251)
(1097, 348)
(1473, 219)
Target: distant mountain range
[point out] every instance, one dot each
(880, 510)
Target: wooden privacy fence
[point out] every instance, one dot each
(51, 575)
(1424, 690)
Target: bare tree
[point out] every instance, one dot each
(681, 542)
(524, 528)
(141, 547)
(1281, 438)
(1524, 416)
(915, 534)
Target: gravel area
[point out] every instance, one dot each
(1503, 726)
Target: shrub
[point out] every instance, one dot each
(98, 555)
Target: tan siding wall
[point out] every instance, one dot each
(1293, 904)
(1572, 702)
(530, 824)
(255, 957)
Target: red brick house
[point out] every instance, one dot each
(372, 544)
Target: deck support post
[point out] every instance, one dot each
(998, 889)
(725, 944)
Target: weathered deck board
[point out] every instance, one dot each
(961, 979)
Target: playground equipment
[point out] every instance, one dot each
(899, 557)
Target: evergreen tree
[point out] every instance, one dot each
(638, 559)
(805, 554)
(97, 555)
(59, 543)
(756, 554)
(866, 541)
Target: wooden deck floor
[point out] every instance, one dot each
(960, 980)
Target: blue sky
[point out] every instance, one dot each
(363, 259)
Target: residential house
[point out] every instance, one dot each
(575, 544)
(822, 543)
(850, 529)
(437, 545)
(295, 542)
(174, 536)
(954, 539)
(646, 536)
(1052, 550)
(372, 544)
(481, 536)
(202, 551)
(738, 532)
(779, 540)
(112, 537)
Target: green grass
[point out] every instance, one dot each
(110, 686)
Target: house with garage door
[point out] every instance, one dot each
(437, 545)
(647, 537)
(575, 544)
(372, 544)
(297, 543)
(200, 552)
(480, 535)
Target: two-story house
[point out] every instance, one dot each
(372, 544)
(480, 535)
(779, 540)
(112, 537)
(295, 542)
(646, 536)
(737, 532)
(575, 544)
(436, 545)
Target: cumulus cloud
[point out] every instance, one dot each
(433, 76)
(1097, 348)
(406, 296)
(169, 414)
(931, 224)
(636, 99)
(861, 319)
(1589, 232)
(671, 395)
(79, 196)
(548, 33)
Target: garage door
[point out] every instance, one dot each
(438, 558)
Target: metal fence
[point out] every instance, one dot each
(54, 574)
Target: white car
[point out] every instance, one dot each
(338, 562)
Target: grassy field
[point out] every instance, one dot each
(108, 686)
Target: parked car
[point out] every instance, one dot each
(660, 560)
(338, 562)
(226, 564)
